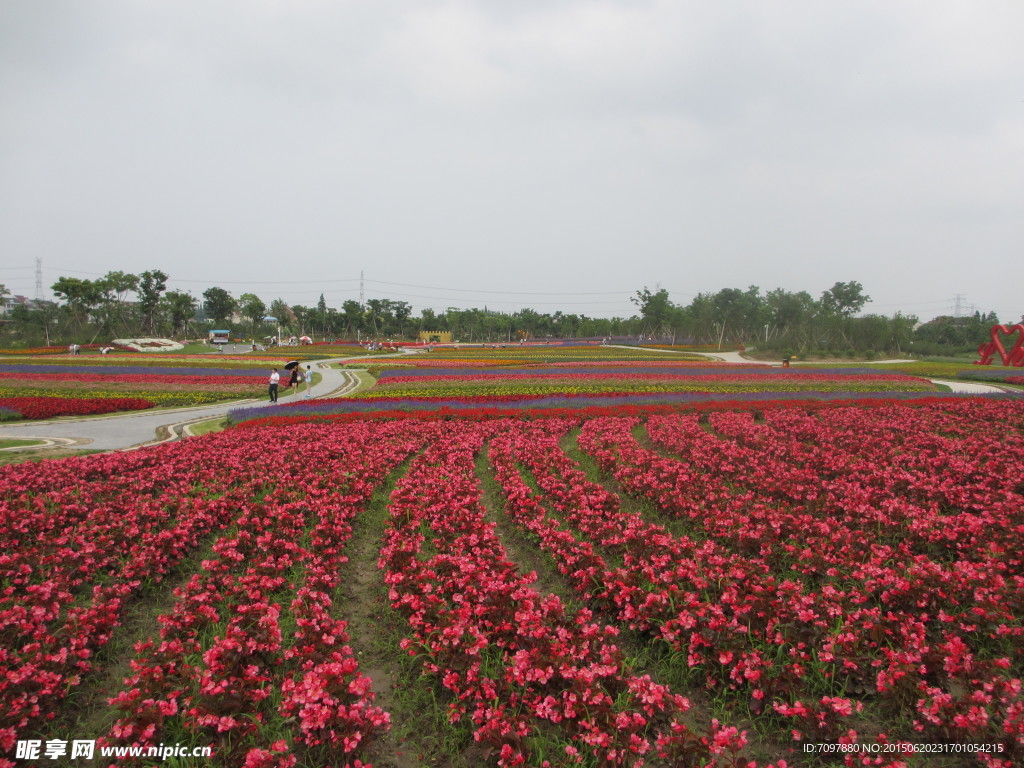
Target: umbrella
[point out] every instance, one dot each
(291, 364)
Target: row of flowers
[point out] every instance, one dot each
(999, 374)
(640, 594)
(576, 521)
(641, 386)
(426, 366)
(149, 362)
(56, 386)
(515, 662)
(823, 569)
(471, 386)
(164, 396)
(488, 409)
(115, 387)
(151, 372)
(94, 348)
(114, 383)
(534, 406)
(829, 574)
(551, 353)
(712, 371)
(81, 538)
(49, 407)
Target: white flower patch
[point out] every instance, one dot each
(150, 345)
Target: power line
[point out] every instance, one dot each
(908, 303)
(507, 293)
(314, 284)
(957, 301)
(361, 280)
(209, 281)
(509, 301)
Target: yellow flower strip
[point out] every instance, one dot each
(555, 386)
(160, 398)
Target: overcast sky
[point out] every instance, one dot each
(557, 155)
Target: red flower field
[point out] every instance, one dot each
(719, 587)
(39, 407)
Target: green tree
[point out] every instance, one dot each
(179, 307)
(152, 284)
(252, 307)
(655, 310)
(838, 305)
(34, 324)
(282, 312)
(318, 318)
(219, 304)
(739, 312)
(959, 334)
(376, 310)
(352, 315)
(902, 329)
(699, 318)
(114, 311)
(117, 285)
(791, 318)
(81, 298)
(402, 310)
(844, 299)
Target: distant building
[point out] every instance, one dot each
(436, 337)
(11, 302)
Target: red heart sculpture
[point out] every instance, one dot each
(1014, 357)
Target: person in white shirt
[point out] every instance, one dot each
(275, 378)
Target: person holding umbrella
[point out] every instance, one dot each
(293, 380)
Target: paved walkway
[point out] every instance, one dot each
(125, 431)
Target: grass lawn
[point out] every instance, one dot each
(12, 443)
(205, 427)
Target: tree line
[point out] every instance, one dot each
(124, 305)
(797, 323)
